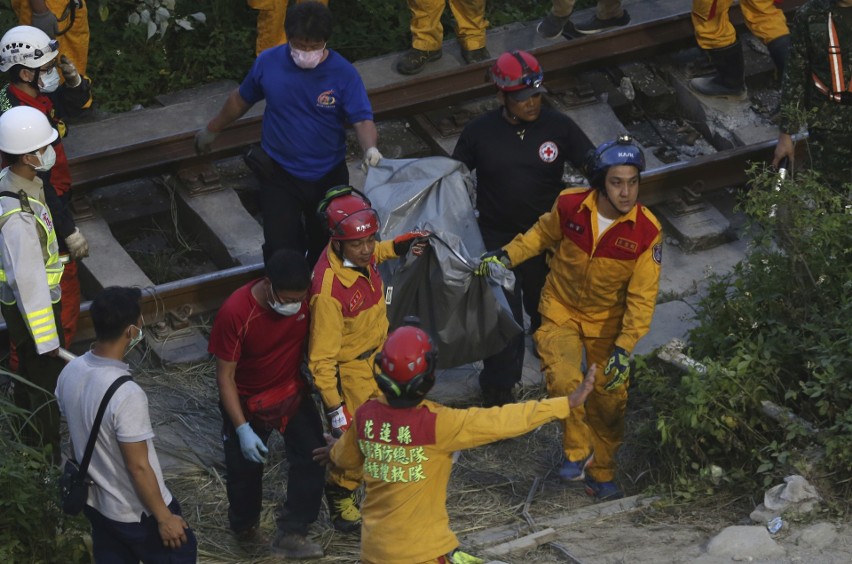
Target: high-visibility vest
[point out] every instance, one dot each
(50, 250)
(839, 92)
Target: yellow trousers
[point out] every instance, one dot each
(605, 9)
(357, 385)
(270, 22)
(427, 33)
(598, 427)
(713, 28)
(74, 43)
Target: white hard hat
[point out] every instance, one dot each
(23, 130)
(28, 46)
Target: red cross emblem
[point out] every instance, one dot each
(548, 151)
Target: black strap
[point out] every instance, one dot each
(96, 426)
(22, 198)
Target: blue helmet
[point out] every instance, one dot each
(622, 151)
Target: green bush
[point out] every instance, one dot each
(775, 329)
(32, 526)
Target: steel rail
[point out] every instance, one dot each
(403, 97)
(206, 292)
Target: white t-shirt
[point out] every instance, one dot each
(79, 391)
(603, 224)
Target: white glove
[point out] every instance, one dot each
(204, 141)
(69, 72)
(77, 245)
(372, 156)
(251, 446)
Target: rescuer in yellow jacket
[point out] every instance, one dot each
(599, 298)
(65, 20)
(349, 322)
(405, 445)
(30, 269)
(270, 22)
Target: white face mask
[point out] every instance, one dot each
(47, 159)
(307, 59)
(283, 309)
(48, 81)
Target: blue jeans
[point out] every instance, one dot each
(115, 542)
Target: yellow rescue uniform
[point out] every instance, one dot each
(600, 293)
(714, 30)
(270, 22)
(349, 324)
(427, 33)
(74, 43)
(407, 455)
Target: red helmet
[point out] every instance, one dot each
(406, 365)
(348, 214)
(517, 70)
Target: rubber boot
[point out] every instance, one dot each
(779, 50)
(729, 80)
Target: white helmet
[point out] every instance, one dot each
(28, 46)
(23, 130)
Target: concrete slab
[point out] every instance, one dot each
(671, 319)
(228, 233)
(684, 274)
(696, 227)
(725, 123)
(194, 94)
(379, 71)
(108, 264)
(178, 347)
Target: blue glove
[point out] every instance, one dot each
(492, 258)
(250, 444)
(618, 369)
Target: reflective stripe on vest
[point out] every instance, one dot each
(52, 267)
(839, 92)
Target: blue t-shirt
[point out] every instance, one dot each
(303, 124)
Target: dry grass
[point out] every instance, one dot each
(489, 485)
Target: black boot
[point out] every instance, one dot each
(729, 80)
(779, 50)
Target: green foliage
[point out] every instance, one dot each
(32, 526)
(775, 329)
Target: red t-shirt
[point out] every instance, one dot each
(267, 347)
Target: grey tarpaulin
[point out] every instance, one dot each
(467, 314)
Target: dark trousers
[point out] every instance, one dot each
(305, 478)
(504, 369)
(289, 207)
(114, 542)
(38, 369)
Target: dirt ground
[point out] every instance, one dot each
(489, 490)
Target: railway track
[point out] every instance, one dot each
(95, 164)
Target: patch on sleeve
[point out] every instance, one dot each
(658, 253)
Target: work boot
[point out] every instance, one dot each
(597, 25)
(475, 55)
(602, 491)
(571, 471)
(550, 27)
(250, 536)
(295, 546)
(729, 80)
(413, 60)
(343, 509)
(779, 50)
